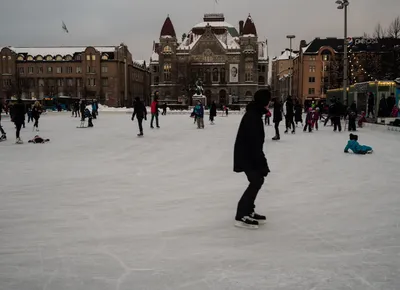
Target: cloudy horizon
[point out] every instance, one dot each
(138, 23)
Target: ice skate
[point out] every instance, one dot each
(259, 218)
(246, 222)
(276, 138)
(286, 131)
(3, 137)
(140, 135)
(293, 132)
(19, 141)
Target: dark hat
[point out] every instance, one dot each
(262, 97)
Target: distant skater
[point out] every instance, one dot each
(213, 112)
(18, 119)
(154, 113)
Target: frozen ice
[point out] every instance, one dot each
(100, 209)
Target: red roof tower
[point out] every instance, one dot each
(249, 27)
(168, 28)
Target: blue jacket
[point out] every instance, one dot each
(354, 146)
(199, 111)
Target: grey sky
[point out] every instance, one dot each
(138, 22)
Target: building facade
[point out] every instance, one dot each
(107, 73)
(319, 65)
(231, 65)
(282, 73)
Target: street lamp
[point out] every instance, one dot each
(343, 4)
(290, 37)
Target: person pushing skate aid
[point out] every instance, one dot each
(250, 159)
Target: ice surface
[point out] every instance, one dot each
(100, 209)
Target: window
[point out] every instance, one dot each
(312, 68)
(49, 57)
(6, 82)
(312, 58)
(59, 58)
(90, 69)
(263, 68)
(59, 70)
(78, 57)
(39, 58)
(222, 76)
(325, 68)
(167, 72)
(49, 70)
(29, 58)
(155, 68)
(41, 83)
(78, 82)
(78, 70)
(91, 82)
(248, 76)
(311, 79)
(215, 75)
(69, 69)
(104, 82)
(311, 91)
(325, 57)
(156, 80)
(68, 58)
(21, 70)
(30, 70)
(104, 69)
(93, 57)
(20, 57)
(9, 57)
(105, 56)
(167, 49)
(60, 82)
(4, 57)
(88, 57)
(70, 82)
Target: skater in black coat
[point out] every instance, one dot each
(298, 115)
(289, 115)
(250, 158)
(213, 112)
(277, 118)
(139, 110)
(18, 118)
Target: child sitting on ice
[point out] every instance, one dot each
(37, 139)
(354, 146)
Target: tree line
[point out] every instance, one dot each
(392, 31)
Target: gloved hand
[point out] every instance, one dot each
(145, 118)
(265, 171)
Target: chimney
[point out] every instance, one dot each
(241, 24)
(303, 43)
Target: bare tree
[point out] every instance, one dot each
(394, 28)
(379, 32)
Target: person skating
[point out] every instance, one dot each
(383, 108)
(355, 147)
(267, 116)
(298, 113)
(139, 110)
(199, 113)
(288, 108)
(88, 114)
(371, 105)
(250, 159)
(164, 109)
(3, 136)
(316, 118)
(154, 112)
(82, 108)
(29, 113)
(213, 112)
(76, 109)
(352, 116)
(336, 112)
(94, 109)
(277, 118)
(309, 120)
(36, 112)
(18, 117)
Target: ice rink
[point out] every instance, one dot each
(101, 209)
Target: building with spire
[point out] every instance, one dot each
(231, 63)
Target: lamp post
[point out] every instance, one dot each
(343, 4)
(290, 37)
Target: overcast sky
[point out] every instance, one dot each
(138, 22)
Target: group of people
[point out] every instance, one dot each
(17, 115)
(140, 112)
(388, 107)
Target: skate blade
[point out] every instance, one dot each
(261, 222)
(245, 226)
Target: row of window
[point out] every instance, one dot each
(325, 57)
(59, 70)
(89, 57)
(313, 68)
(91, 82)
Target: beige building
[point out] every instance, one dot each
(107, 73)
(231, 64)
(282, 71)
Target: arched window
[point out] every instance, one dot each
(167, 49)
(104, 56)
(59, 58)
(39, 58)
(20, 57)
(29, 58)
(167, 72)
(68, 58)
(222, 76)
(49, 57)
(78, 57)
(248, 94)
(208, 76)
(215, 75)
(248, 74)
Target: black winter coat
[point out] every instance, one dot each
(248, 152)
(298, 113)
(18, 115)
(277, 112)
(139, 110)
(213, 110)
(289, 109)
(36, 111)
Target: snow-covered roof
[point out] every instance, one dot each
(154, 57)
(286, 54)
(213, 24)
(139, 62)
(226, 40)
(304, 49)
(248, 35)
(60, 50)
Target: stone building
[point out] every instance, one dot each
(232, 64)
(282, 73)
(107, 73)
